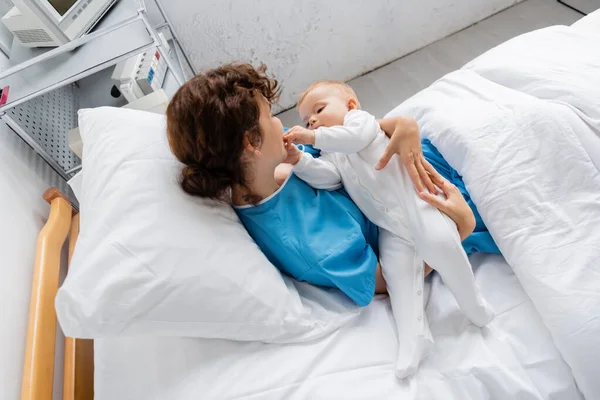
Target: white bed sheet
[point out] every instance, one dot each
(513, 358)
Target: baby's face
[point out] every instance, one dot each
(325, 105)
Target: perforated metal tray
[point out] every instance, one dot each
(44, 123)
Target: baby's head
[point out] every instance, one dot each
(326, 103)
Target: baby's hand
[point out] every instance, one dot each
(293, 153)
(300, 135)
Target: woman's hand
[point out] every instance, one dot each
(406, 142)
(300, 135)
(454, 206)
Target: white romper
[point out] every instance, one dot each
(411, 231)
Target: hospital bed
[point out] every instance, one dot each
(521, 123)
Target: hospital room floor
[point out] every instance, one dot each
(383, 89)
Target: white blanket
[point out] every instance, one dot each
(514, 358)
(516, 123)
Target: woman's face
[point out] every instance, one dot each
(272, 149)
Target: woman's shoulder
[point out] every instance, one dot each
(269, 204)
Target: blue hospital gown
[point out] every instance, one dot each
(317, 236)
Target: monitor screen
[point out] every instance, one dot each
(62, 6)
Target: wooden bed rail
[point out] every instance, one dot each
(38, 371)
(78, 374)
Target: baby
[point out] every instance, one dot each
(411, 231)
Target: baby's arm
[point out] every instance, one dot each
(359, 129)
(319, 173)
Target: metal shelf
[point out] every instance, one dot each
(37, 71)
(44, 97)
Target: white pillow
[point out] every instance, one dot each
(151, 260)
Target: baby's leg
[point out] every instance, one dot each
(403, 273)
(437, 241)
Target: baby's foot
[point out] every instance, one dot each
(410, 356)
(482, 314)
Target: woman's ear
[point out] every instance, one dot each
(352, 104)
(249, 147)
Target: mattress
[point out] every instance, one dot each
(512, 358)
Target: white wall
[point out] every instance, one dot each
(304, 40)
(5, 5)
(23, 179)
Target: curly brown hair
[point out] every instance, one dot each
(206, 123)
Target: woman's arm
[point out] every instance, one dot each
(406, 142)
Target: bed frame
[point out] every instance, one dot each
(38, 370)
